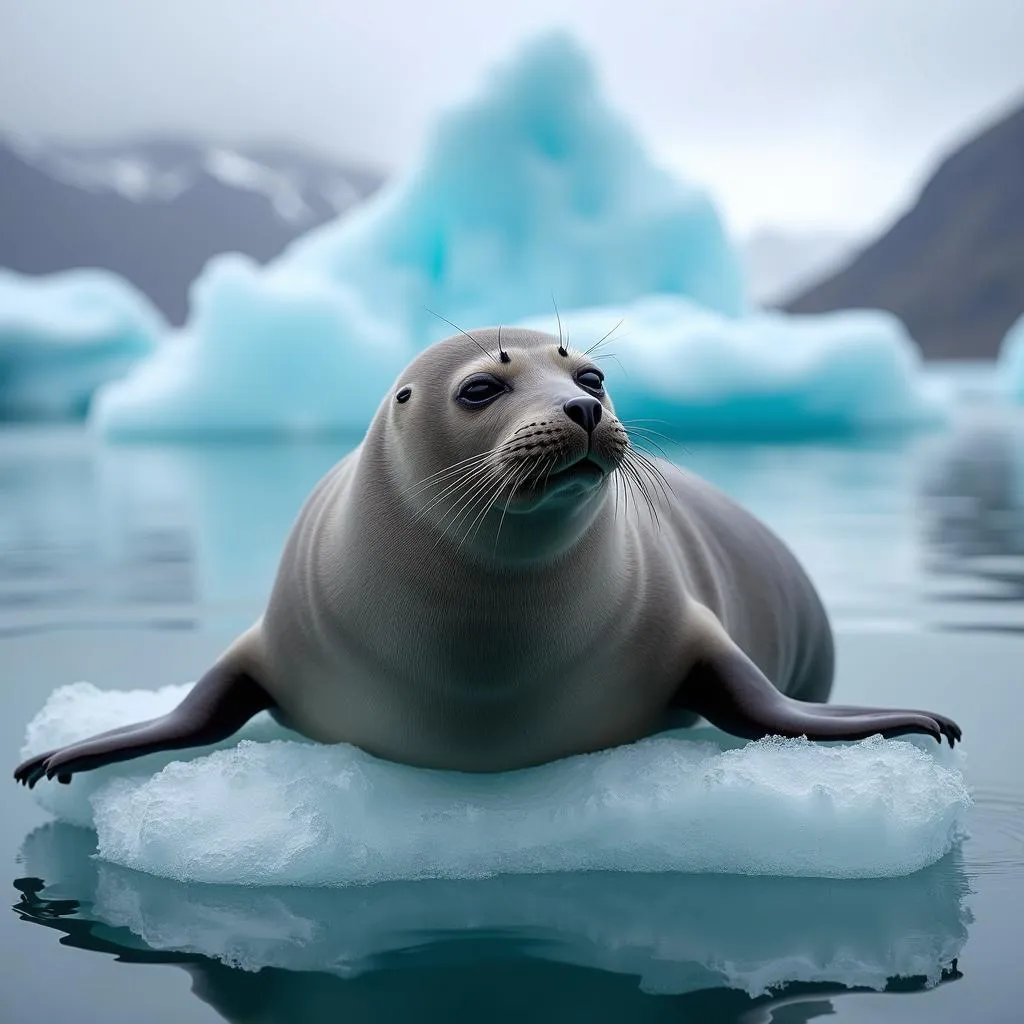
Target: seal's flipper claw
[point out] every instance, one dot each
(30, 771)
(217, 706)
(732, 693)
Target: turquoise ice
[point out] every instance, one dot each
(531, 192)
(62, 336)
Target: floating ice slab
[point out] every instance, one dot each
(1011, 361)
(676, 933)
(706, 375)
(63, 335)
(277, 811)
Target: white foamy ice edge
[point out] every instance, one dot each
(276, 811)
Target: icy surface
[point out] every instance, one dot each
(63, 335)
(676, 933)
(1011, 361)
(276, 811)
(705, 375)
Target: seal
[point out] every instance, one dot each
(497, 577)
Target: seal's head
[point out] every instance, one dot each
(503, 424)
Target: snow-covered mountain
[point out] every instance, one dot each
(156, 210)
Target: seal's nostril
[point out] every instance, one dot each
(584, 410)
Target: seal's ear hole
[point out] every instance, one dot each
(404, 394)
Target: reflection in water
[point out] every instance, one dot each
(974, 515)
(151, 536)
(175, 536)
(511, 948)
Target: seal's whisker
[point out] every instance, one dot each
(466, 478)
(599, 343)
(654, 471)
(645, 469)
(562, 350)
(489, 501)
(490, 355)
(492, 499)
(508, 501)
(612, 355)
(638, 443)
(632, 428)
(468, 500)
(634, 475)
(466, 487)
(462, 463)
(632, 425)
(491, 485)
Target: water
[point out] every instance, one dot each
(133, 567)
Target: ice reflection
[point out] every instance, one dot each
(728, 945)
(912, 532)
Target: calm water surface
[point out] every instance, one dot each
(134, 566)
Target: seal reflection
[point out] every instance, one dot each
(544, 947)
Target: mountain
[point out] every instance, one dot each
(952, 268)
(778, 262)
(156, 210)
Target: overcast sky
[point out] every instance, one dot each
(797, 113)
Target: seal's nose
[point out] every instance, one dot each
(584, 410)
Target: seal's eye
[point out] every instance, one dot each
(479, 390)
(592, 379)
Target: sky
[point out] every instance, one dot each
(800, 115)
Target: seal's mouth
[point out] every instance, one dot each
(583, 468)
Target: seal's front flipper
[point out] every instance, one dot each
(217, 706)
(949, 728)
(732, 693)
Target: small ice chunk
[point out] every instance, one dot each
(274, 811)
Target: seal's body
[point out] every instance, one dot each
(442, 663)
(496, 578)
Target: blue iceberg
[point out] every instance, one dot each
(64, 335)
(268, 808)
(764, 375)
(1011, 361)
(534, 191)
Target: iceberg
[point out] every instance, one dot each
(530, 193)
(532, 189)
(675, 933)
(1011, 361)
(267, 808)
(63, 335)
(764, 375)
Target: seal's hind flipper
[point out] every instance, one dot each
(732, 693)
(217, 706)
